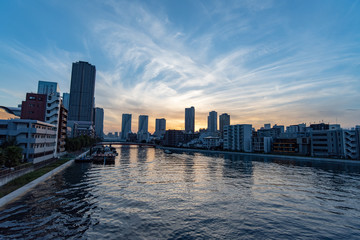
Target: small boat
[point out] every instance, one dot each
(104, 155)
(167, 151)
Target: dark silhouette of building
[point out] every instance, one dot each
(99, 122)
(190, 120)
(319, 126)
(224, 120)
(34, 107)
(82, 91)
(174, 137)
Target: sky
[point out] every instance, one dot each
(261, 61)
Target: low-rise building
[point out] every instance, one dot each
(285, 145)
(174, 138)
(327, 143)
(36, 138)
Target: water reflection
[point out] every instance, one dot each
(151, 195)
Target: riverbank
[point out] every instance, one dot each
(300, 158)
(23, 184)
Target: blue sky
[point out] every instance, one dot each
(284, 62)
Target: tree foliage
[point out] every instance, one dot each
(10, 154)
(77, 143)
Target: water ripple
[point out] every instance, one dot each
(147, 194)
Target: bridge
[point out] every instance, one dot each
(126, 144)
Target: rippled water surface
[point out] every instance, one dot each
(151, 195)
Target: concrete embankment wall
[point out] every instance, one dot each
(287, 157)
(4, 180)
(24, 189)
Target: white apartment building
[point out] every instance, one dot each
(36, 138)
(238, 137)
(52, 104)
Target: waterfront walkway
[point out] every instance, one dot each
(300, 158)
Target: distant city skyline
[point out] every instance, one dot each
(278, 62)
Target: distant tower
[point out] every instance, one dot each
(143, 132)
(82, 91)
(125, 125)
(160, 127)
(190, 119)
(212, 122)
(224, 120)
(66, 100)
(99, 122)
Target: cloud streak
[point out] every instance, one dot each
(242, 58)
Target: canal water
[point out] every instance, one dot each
(148, 194)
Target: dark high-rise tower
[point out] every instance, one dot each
(212, 122)
(224, 120)
(190, 120)
(82, 91)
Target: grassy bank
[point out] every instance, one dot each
(25, 179)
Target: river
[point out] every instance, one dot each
(148, 194)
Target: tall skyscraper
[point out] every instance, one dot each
(143, 124)
(99, 122)
(224, 120)
(190, 119)
(143, 132)
(160, 127)
(125, 125)
(212, 122)
(66, 100)
(82, 91)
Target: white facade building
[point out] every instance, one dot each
(36, 138)
(51, 89)
(238, 137)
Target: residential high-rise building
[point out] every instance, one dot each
(190, 120)
(212, 122)
(160, 127)
(62, 129)
(82, 91)
(53, 102)
(99, 122)
(238, 137)
(45, 87)
(66, 100)
(125, 125)
(143, 132)
(224, 120)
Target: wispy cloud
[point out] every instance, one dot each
(240, 57)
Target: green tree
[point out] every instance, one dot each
(10, 141)
(13, 156)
